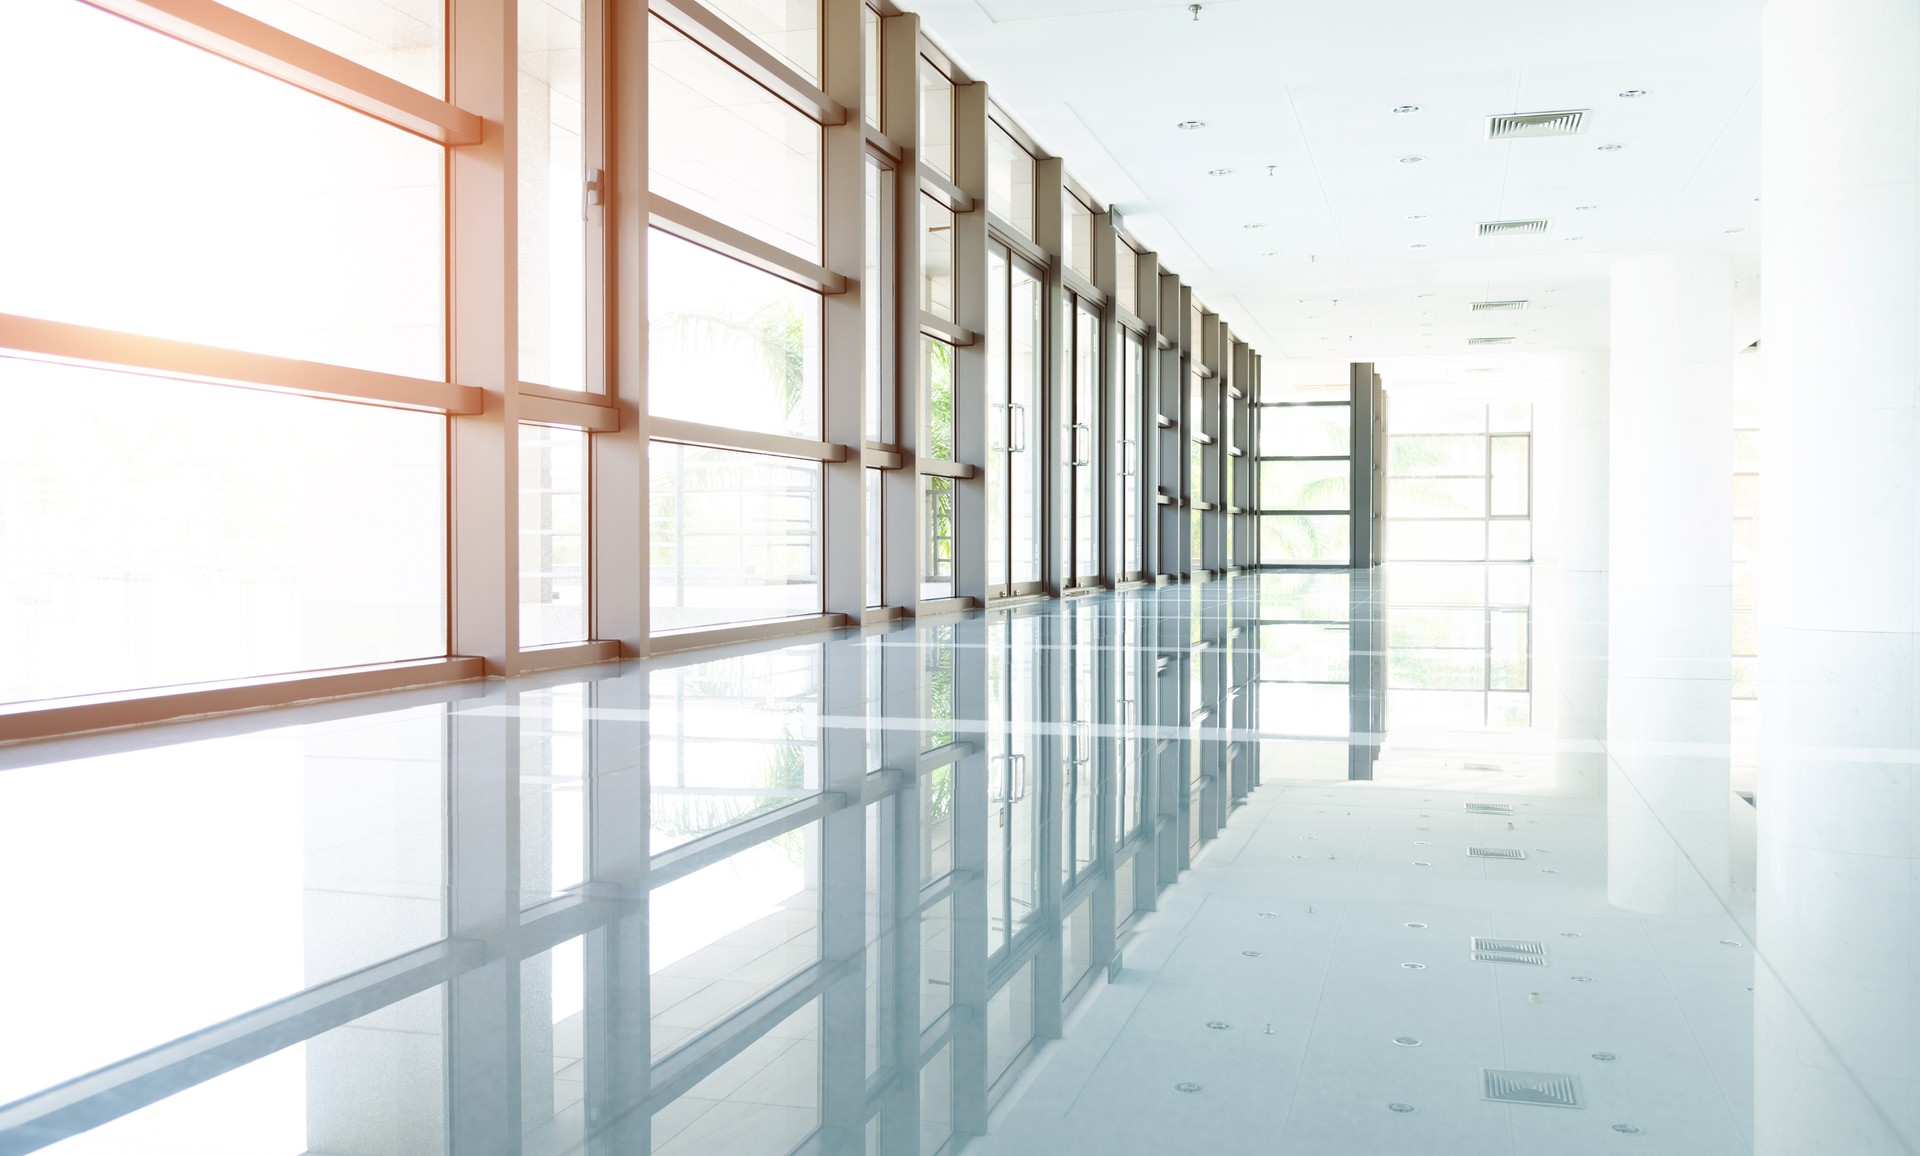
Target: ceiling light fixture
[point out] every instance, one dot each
(1190, 125)
(1611, 148)
(1633, 94)
(1406, 108)
(1411, 160)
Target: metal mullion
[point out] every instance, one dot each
(696, 227)
(693, 433)
(721, 38)
(265, 48)
(37, 339)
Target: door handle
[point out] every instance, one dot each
(1076, 460)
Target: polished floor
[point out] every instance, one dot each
(1198, 867)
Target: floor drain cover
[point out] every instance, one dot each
(1219, 1025)
(1605, 1057)
(1490, 808)
(1507, 946)
(1406, 1041)
(1186, 1087)
(1549, 1089)
(1399, 1107)
(1629, 1129)
(1496, 853)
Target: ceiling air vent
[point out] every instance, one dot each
(1489, 341)
(1516, 125)
(1512, 228)
(1498, 306)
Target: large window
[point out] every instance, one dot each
(1459, 481)
(735, 536)
(1304, 453)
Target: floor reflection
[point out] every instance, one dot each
(838, 896)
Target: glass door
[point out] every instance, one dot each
(1013, 398)
(1083, 442)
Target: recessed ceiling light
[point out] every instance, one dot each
(1411, 160)
(1633, 94)
(1407, 108)
(1585, 208)
(1191, 124)
(1254, 225)
(1416, 216)
(1611, 148)
(1736, 230)
(1219, 172)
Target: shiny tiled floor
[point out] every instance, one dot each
(1108, 875)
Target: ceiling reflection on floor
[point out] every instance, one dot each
(845, 895)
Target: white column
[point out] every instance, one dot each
(1838, 990)
(1670, 584)
(1579, 468)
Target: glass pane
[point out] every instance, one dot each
(1508, 648)
(1510, 482)
(553, 535)
(1437, 669)
(404, 39)
(1407, 416)
(1435, 626)
(1510, 416)
(553, 812)
(1437, 497)
(1437, 454)
(1009, 1023)
(728, 344)
(1086, 454)
(936, 822)
(1304, 709)
(937, 576)
(936, 375)
(735, 536)
(720, 144)
(377, 1084)
(728, 739)
(199, 532)
(1126, 277)
(1305, 486)
(936, 119)
(553, 242)
(765, 1101)
(1319, 538)
(1076, 234)
(874, 299)
(1306, 431)
(1275, 391)
(725, 934)
(1437, 541)
(790, 29)
(870, 58)
(235, 210)
(1028, 367)
(1746, 450)
(1510, 541)
(936, 258)
(1010, 182)
(876, 537)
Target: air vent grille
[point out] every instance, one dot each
(1498, 306)
(1490, 808)
(1509, 946)
(1496, 853)
(1549, 1089)
(1509, 957)
(1518, 125)
(1513, 228)
(1489, 341)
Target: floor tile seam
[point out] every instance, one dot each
(1319, 1004)
(1706, 1057)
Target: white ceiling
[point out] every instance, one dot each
(1308, 88)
